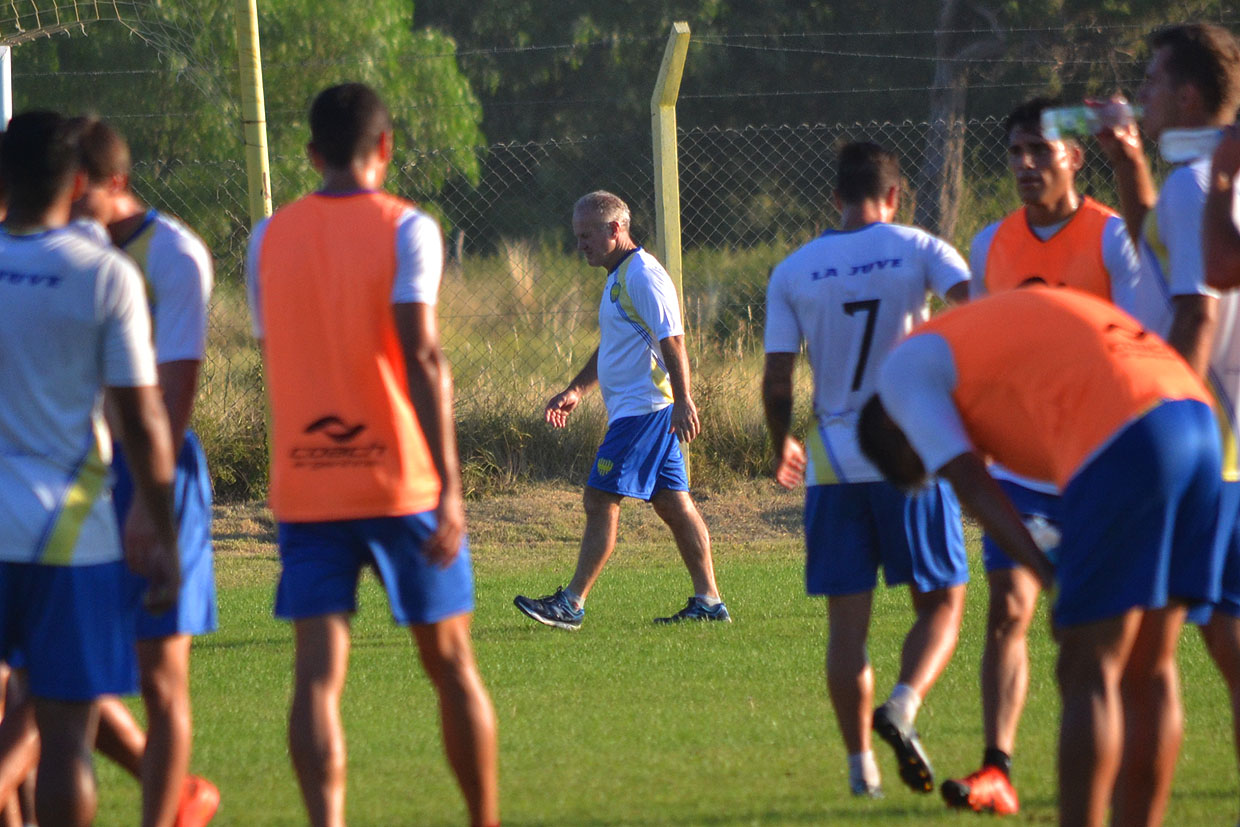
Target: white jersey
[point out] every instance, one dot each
(419, 263)
(638, 310)
(178, 271)
(1173, 247)
(850, 296)
(73, 320)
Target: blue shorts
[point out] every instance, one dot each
(1139, 519)
(321, 564)
(70, 627)
(640, 457)
(194, 612)
(1029, 503)
(1229, 546)
(853, 528)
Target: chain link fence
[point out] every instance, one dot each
(518, 305)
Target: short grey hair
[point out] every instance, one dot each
(606, 205)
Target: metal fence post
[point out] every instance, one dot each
(253, 110)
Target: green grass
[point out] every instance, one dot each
(625, 723)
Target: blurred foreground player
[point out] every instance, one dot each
(73, 323)
(1059, 385)
(850, 295)
(343, 285)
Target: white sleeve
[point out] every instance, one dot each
(182, 274)
(128, 356)
(783, 331)
(979, 251)
(419, 259)
(915, 384)
(654, 298)
(251, 278)
(1135, 288)
(1179, 211)
(945, 268)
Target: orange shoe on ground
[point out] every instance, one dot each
(199, 801)
(988, 790)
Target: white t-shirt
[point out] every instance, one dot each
(179, 274)
(850, 296)
(419, 263)
(73, 320)
(638, 310)
(1173, 248)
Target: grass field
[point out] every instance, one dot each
(625, 723)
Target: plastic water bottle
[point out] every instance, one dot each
(1045, 535)
(1087, 119)
(1180, 145)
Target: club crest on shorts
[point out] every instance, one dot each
(604, 466)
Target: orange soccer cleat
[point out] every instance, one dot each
(986, 791)
(199, 801)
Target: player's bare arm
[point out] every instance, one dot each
(178, 380)
(1220, 238)
(1133, 181)
(985, 500)
(685, 422)
(430, 392)
(789, 463)
(566, 401)
(958, 293)
(150, 532)
(1194, 320)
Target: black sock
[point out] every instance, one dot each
(995, 757)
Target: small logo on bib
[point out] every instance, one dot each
(604, 466)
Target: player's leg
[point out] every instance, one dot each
(1153, 721)
(1090, 667)
(466, 714)
(602, 509)
(1005, 654)
(19, 738)
(678, 511)
(163, 664)
(315, 734)
(120, 737)
(850, 678)
(1222, 638)
(1222, 631)
(931, 640)
(65, 793)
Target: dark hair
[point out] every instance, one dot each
(104, 152)
(346, 122)
(38, 159)
(1028, 116)
(1206, 56)
(864, 171)
(885, 445)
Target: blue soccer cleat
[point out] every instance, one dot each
(551, 610)
(696, 609)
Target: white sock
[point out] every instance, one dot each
(863, 769)
(904, 703)
(709, 601)
(577, 600)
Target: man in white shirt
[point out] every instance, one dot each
(73, 324)
(1192, 82)
(850, 295)
(642, 370)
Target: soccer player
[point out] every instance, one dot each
(642, 370)
(178, 274)
(1062, 238)
(1192, 81)
(73, 323)
(850, 295)
(1057, 384)
(343, 284)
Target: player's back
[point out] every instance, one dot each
(854, 295)
(56, 292)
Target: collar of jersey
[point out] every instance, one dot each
(347, 194)
(39, 233)
(624, 259)
(833, 231)
(147, 221)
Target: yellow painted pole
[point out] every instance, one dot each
(253, 110)
(666, 163)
